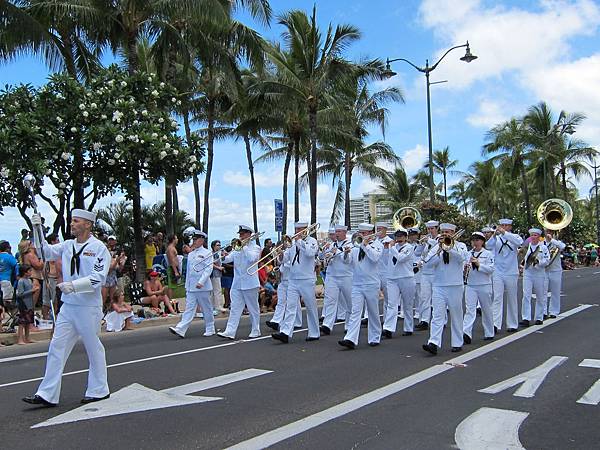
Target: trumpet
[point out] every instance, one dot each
(359, 239)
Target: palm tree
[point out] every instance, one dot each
(398, 192)
(460, 195)
(442, 164)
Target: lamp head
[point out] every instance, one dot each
(29, 181)
(388, 72)
(468, 55)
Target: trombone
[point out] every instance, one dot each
(447, 242)
(359, 239)
(237, 244)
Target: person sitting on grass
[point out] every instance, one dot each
(120, 317)
(25, 292)
(155, 293)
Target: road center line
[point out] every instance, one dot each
(292, 429)
(18, 358)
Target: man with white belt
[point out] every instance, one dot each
(197, 287)
(85, 262)
(338, 286)
(480, 268)
(553, 274)
(365, 288)
(505, 246)
(301, 257)
(282, 287)
(426, 245)
(448, 288)
(536, 259)
(413, 239)
(401, 285)
(244, 290)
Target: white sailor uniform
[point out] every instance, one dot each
(282, 287)
(554, 278)
(534, 281)
(479, 289)
(338, 286)
(427, 272)
(401, 286)
(416, 258)
(86, 266)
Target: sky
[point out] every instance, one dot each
(528, 51)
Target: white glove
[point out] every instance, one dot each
(66, 287)
(36, 219)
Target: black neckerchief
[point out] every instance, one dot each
(445, 257)
(75, 261)
(361, 254)
(394, 259)
(504, 244)
(296, 256)
(476, 257)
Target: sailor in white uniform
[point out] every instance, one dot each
(448, 289)
(536, 259)
(197, 287)
(553, 274)
(244, 290)
(338, 285)
(426, 245)
(381, 228)
(413, 239)
(365, 289)
(480, 268)
(401, 285)
(282, 287)
(85, 263)
(301, 257)
(505, 246)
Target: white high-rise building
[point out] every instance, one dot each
(367, 208)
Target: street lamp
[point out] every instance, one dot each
(388, 73)
(595, 167)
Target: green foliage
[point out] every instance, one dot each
(449, 213)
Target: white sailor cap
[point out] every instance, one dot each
(413, 230)
(341, 228)
(402, 232)
(84, 214)
(487, 230)
(535, 230)
(111, 237)
(245, 228)
(386, 239)
(432, 223)
(381, 224)
(331, 230)
(447, 226)
(198, 234)
(365, 227)
(300, 225)
(505, 221)
(478, 235)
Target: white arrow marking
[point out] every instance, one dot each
(531, 379)
(592, 396)
(490, 429)
(136, 398)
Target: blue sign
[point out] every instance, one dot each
(278, 215)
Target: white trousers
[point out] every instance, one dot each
(216, 295)
(192, 301)
(554, 286)
(417, 300)
(531, 285)
(365, 295)
(481, 294)
(306, 290)
(447, 297)
(337, 295)
(401, 291)
(505, 285)
(239, 299)
(425, 298)
(279, 313)
(72, 323)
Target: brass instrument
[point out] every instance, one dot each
(359, 239)
(405, 218)
(303, 234)
(554, 214)
(237, 244)
(447, 242)
(340, 251)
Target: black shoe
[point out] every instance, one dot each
(552, 316)
(488, 338)
(466, 338)
(539, 322)
(545, 316)
(37, 400)
(325, 331)
(85, 400)
(422, 326)
(386, 334)
(364, 323)
(478, 311)
(407, 333)
(340, 320)
(272, 325)
(281, 337)
(524, 323)
(511, 330)
(321, 319)
(496, 329)
(346, 343)
(297, 328)
(309, 339)
(373, 344)
(456, 349)
(431, 348)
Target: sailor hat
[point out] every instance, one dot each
(84, 214)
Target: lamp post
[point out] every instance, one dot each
(388, 73)
(595, 167)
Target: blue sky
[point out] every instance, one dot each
(528, 51)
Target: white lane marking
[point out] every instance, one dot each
(592, 396)
(490, 429)
(18, 358)
(292, 429)
(137, 398)
(530, 381)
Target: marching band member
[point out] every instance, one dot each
(244, 290)
(301, 257)
(426, 245)
(401, 283)
(536, 259)
(197, 287)
(81, 312)
(365, 288)
(553, 274)
(324, 254)
(505, 246)
(284, 274)
(448, 288)
(413, 239)
(338, 287)
(381, 229)
(480, 268)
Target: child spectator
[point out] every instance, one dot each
(25, 291)
(120, 316)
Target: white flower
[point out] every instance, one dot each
(119, 138)
(4, 172)
(174, 124)
(144, 113)
(48, 172)
(142, 141)
(167, 145)
(81, 106)
(62, 185)
(65, 156)
(85, 114)
(59, 119)
(89, 94)
(173, 99)
(192, 158)
(49, 133)
(136, 122)
(60, 96)
(117, 155)
(96, 146)
(73, 130)
(93, 106)
(123, 84)
(154, 135)
(192, 168)
(154, 93)
(175, 152)
(110, 82)
(149, 78)
(162, 85)
(164, 137)
(161, 120)
(163, 154)
(117, 116)
(111, 179)
(178, 102)
(111, 162)
(103, 116)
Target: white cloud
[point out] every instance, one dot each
(242, 179)
(414, 158)
(489, 114)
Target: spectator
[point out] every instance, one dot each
(227, 281)
(594, 257)
(268, 244)
(159, 242)
(173, 272)
(582, 256)
(8, 264)
(117, 263)
(28, 256)
(53, 270)
(149, 251)
(26, 288)
(268, 294)
(217, 299)
(156, 293)
(119, 318)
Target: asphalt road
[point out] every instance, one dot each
(319, 395)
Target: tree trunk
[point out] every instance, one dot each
(188, 138)
(175, 202)
(525, 193)
(136, 203)
(252, 183)
(297, 180)
(445, 191)
(347, 181)
(286, 168)
(312, 169)
(168, 208)
(209, 162)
